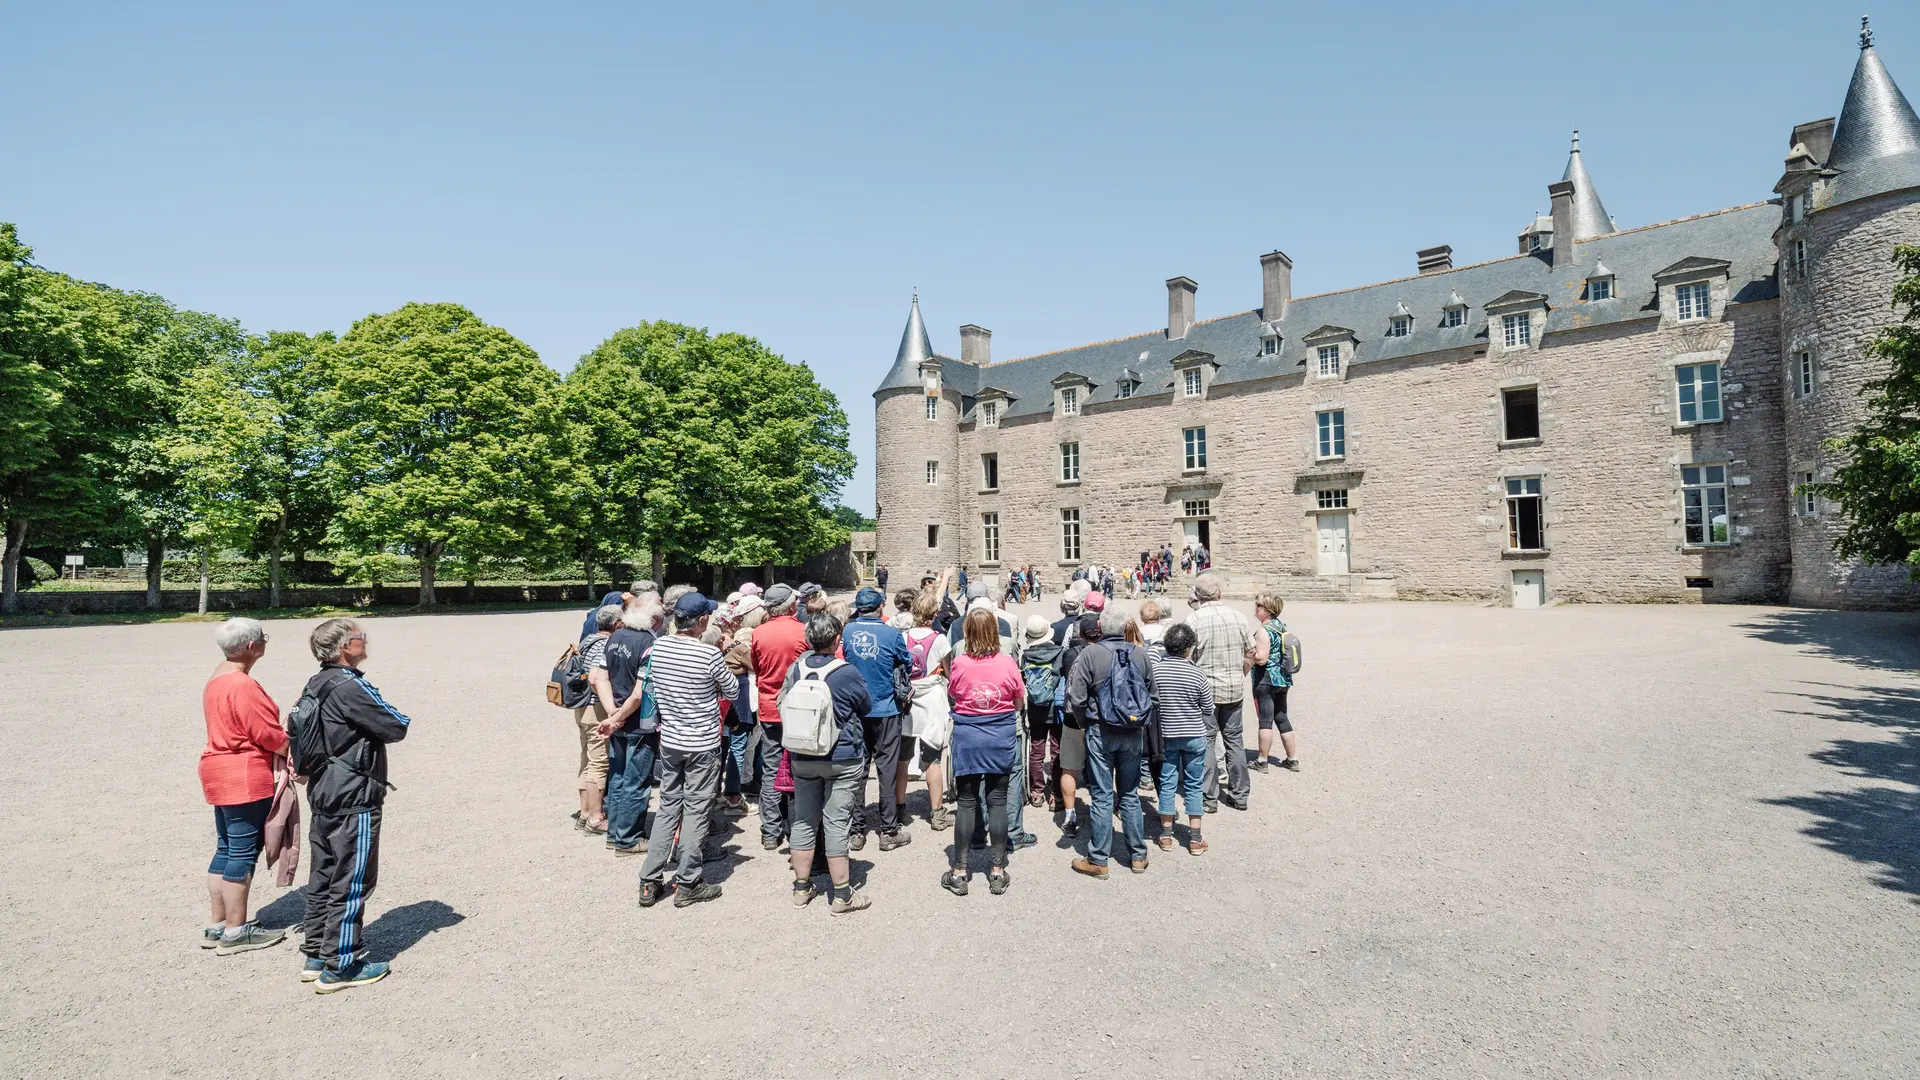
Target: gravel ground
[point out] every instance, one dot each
(1580, 842)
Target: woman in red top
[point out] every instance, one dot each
(244, 737)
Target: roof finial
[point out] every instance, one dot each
(916, 294)
(1866, 34)
(1576, 140)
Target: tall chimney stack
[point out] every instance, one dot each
(1562, 195)
(1180, 292)
(1276, 285)
(1435, 259)
(974, 344)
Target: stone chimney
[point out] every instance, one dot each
(1276, 285)
(1562, 195)
(974, 342)
(1816, 136)
(1435, 259)
(1180, 292)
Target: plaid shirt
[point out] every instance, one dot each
(1225, 636)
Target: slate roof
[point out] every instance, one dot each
(1876, 142)
(1743, 236)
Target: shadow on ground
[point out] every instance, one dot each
(1888, 640)
(394, 932)
(1877, 825)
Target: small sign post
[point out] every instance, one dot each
(74, 563)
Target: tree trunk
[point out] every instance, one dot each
(10, 565)
(205, 558)
(470, 589)
(273, 560)
(586, 562)
(156, 566)
(659, 569)
(429, 566)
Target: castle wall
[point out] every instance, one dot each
(904, 502)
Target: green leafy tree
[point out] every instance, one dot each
(1878, 488)
(442, 432)
(852, 520)
(709, 448)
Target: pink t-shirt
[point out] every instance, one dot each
(982, 687)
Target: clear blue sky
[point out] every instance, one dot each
(793, 171)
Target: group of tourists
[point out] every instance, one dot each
(783, 704)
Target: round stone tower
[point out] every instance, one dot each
(1851, 192)
(917, 473)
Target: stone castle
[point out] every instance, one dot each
(1607, 415)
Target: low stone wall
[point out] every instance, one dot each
(118, 602)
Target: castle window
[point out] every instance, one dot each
(1454, 316)
(1600, 288)
(1690, 301)
(1804, 500)
(990, 414)
(990, 538)
(933, 408)
(1517, 330)
(1526, 516)
(1329, 361)
(1269, 346)
(1803, 373)
(1125, 390)
(1070, 534)
(1797, 259)
(1331, 430)
(1330, 499)
(1070, 401)
(1196, 508)
(933, 536)
(1520, 409)
(1698, 388)
(933, 473)
(1401, 326)
(1703, 490)
(1193, 382)
(1195, 440)
(1070, 462)
(990, 472)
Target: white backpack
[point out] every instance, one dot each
(807, 722)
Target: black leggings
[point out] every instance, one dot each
(963, 825)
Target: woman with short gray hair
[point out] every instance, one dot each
(826, 787)
(244, 743)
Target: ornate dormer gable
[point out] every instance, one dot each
(989, 405)
(1329, 351)
(1193, 371)
(1070, 393)
(1516, 319)
(1693, 290)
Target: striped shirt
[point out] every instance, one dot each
(1182, 698)
(1225, 636)
(689, 679)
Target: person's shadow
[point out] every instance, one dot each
(394, 932)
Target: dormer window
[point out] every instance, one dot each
(1454, 316)
(1192, 382)
(989, 414)
(1691, 301)
(1599, 288)
(1686, 289)
(1516, 331)
(1070, 401)
(1270, 345)
(1400, 326)
(1124, 391)
(1515, 318)
(1329, 358)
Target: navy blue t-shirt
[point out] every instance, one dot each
(876, 649)
(626, 656)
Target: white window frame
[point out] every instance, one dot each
(1805, 502)
(1520, 489)
(1797, 259)
(1196, 508)
(1193, 445)
(1269, 345)
(1698, 389)
(1070, 401)
(1400, 326)
(1070, 534)
(1329, 357)
(990, 536)
(1516, 330)
(1330, 499)
(1804, 382)
(1330, 434)
(1124, 390)
(1070, 462)
(990, 414)
(1692, 301)
(1698, 484)
(1454, 316)
(933, 474)
(1192, 382)
(933, 407)
(1596, 285)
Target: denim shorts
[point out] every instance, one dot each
(238, 832)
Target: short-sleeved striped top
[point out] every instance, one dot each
(1182, 698)
(689, 679)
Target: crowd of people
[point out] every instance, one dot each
(782, 704)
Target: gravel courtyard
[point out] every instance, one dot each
(1576, 842)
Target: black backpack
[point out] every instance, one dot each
(306, 736)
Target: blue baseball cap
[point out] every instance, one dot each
(692, 606)
(868, 599)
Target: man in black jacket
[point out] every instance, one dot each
(345, 798)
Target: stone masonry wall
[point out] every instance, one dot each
(904, 503)
(1836, 313)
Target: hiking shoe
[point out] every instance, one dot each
(855, 901)
(636, 849)
(998, 881)
(1212, 806)
(889, 841)
(953, 883)
(1292, 764)
(857, 842)
(1259, 765)
(804, 896)
(770, 843)
(312, 969)
(361, 974)
(734, 806)
(689, 895)
(1021, 840)
(577, 818)
(210, 936)
(1138, 866)
(1090, 868)
(1071, 828)
(252, 937)
(1234, 801)
(650, 893)
(940, 820)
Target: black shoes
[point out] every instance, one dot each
(1021, 840)
(689, 895)
(1236, 803)
(1259, 765)
(1212, 806)
(953, 883)
(650, 893)
(1292, 764)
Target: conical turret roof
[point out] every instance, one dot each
(915, 349)
(1876, 141)
(1590, 218)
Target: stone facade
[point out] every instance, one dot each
(1615, 338)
